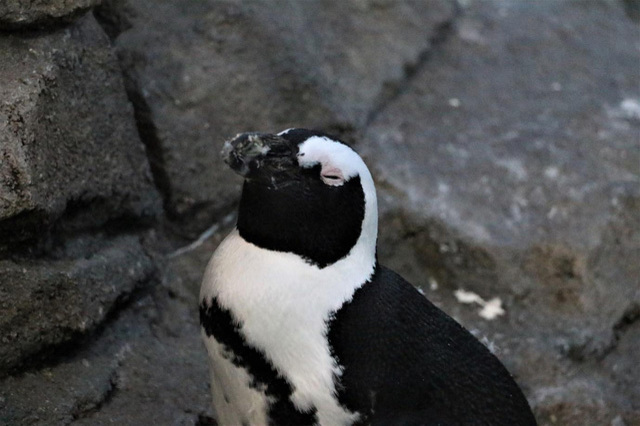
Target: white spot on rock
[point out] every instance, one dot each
(443, 188)
(454, 102)
(433, 284)
(551, 172)
(467, 297)
(630, 108)
(490, 310)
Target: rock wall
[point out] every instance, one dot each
(504, 137)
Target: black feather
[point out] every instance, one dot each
(407, 363)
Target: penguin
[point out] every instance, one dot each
(303, 326)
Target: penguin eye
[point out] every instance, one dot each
(332, 176)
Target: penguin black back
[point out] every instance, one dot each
(408, 363)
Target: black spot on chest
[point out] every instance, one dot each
(218, 322)
(319, 222)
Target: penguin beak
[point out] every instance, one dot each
(256, 155)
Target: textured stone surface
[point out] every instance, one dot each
(225, 67)
(147, 366)
(135, 373)
(21, 14)
(74, 178)
(67, 134)
(510, 167)
(46, 303)
(506, 153)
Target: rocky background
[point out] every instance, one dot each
(504, 137)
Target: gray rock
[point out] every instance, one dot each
(621, 365)
(509, 168)
(68, 140)
(223, 68)
(506, 157)
(147, 366)
(21, 14)
(46, 303)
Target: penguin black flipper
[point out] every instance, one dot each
(408, 363)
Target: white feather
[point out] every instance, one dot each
(234, 400)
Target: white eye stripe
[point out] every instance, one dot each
(331, 155)
(336, 159)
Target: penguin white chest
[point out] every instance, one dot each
(277, 307)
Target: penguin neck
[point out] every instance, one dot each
(290, 220)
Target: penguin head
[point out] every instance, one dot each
(305, 193)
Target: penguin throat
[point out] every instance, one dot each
(317, 222)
